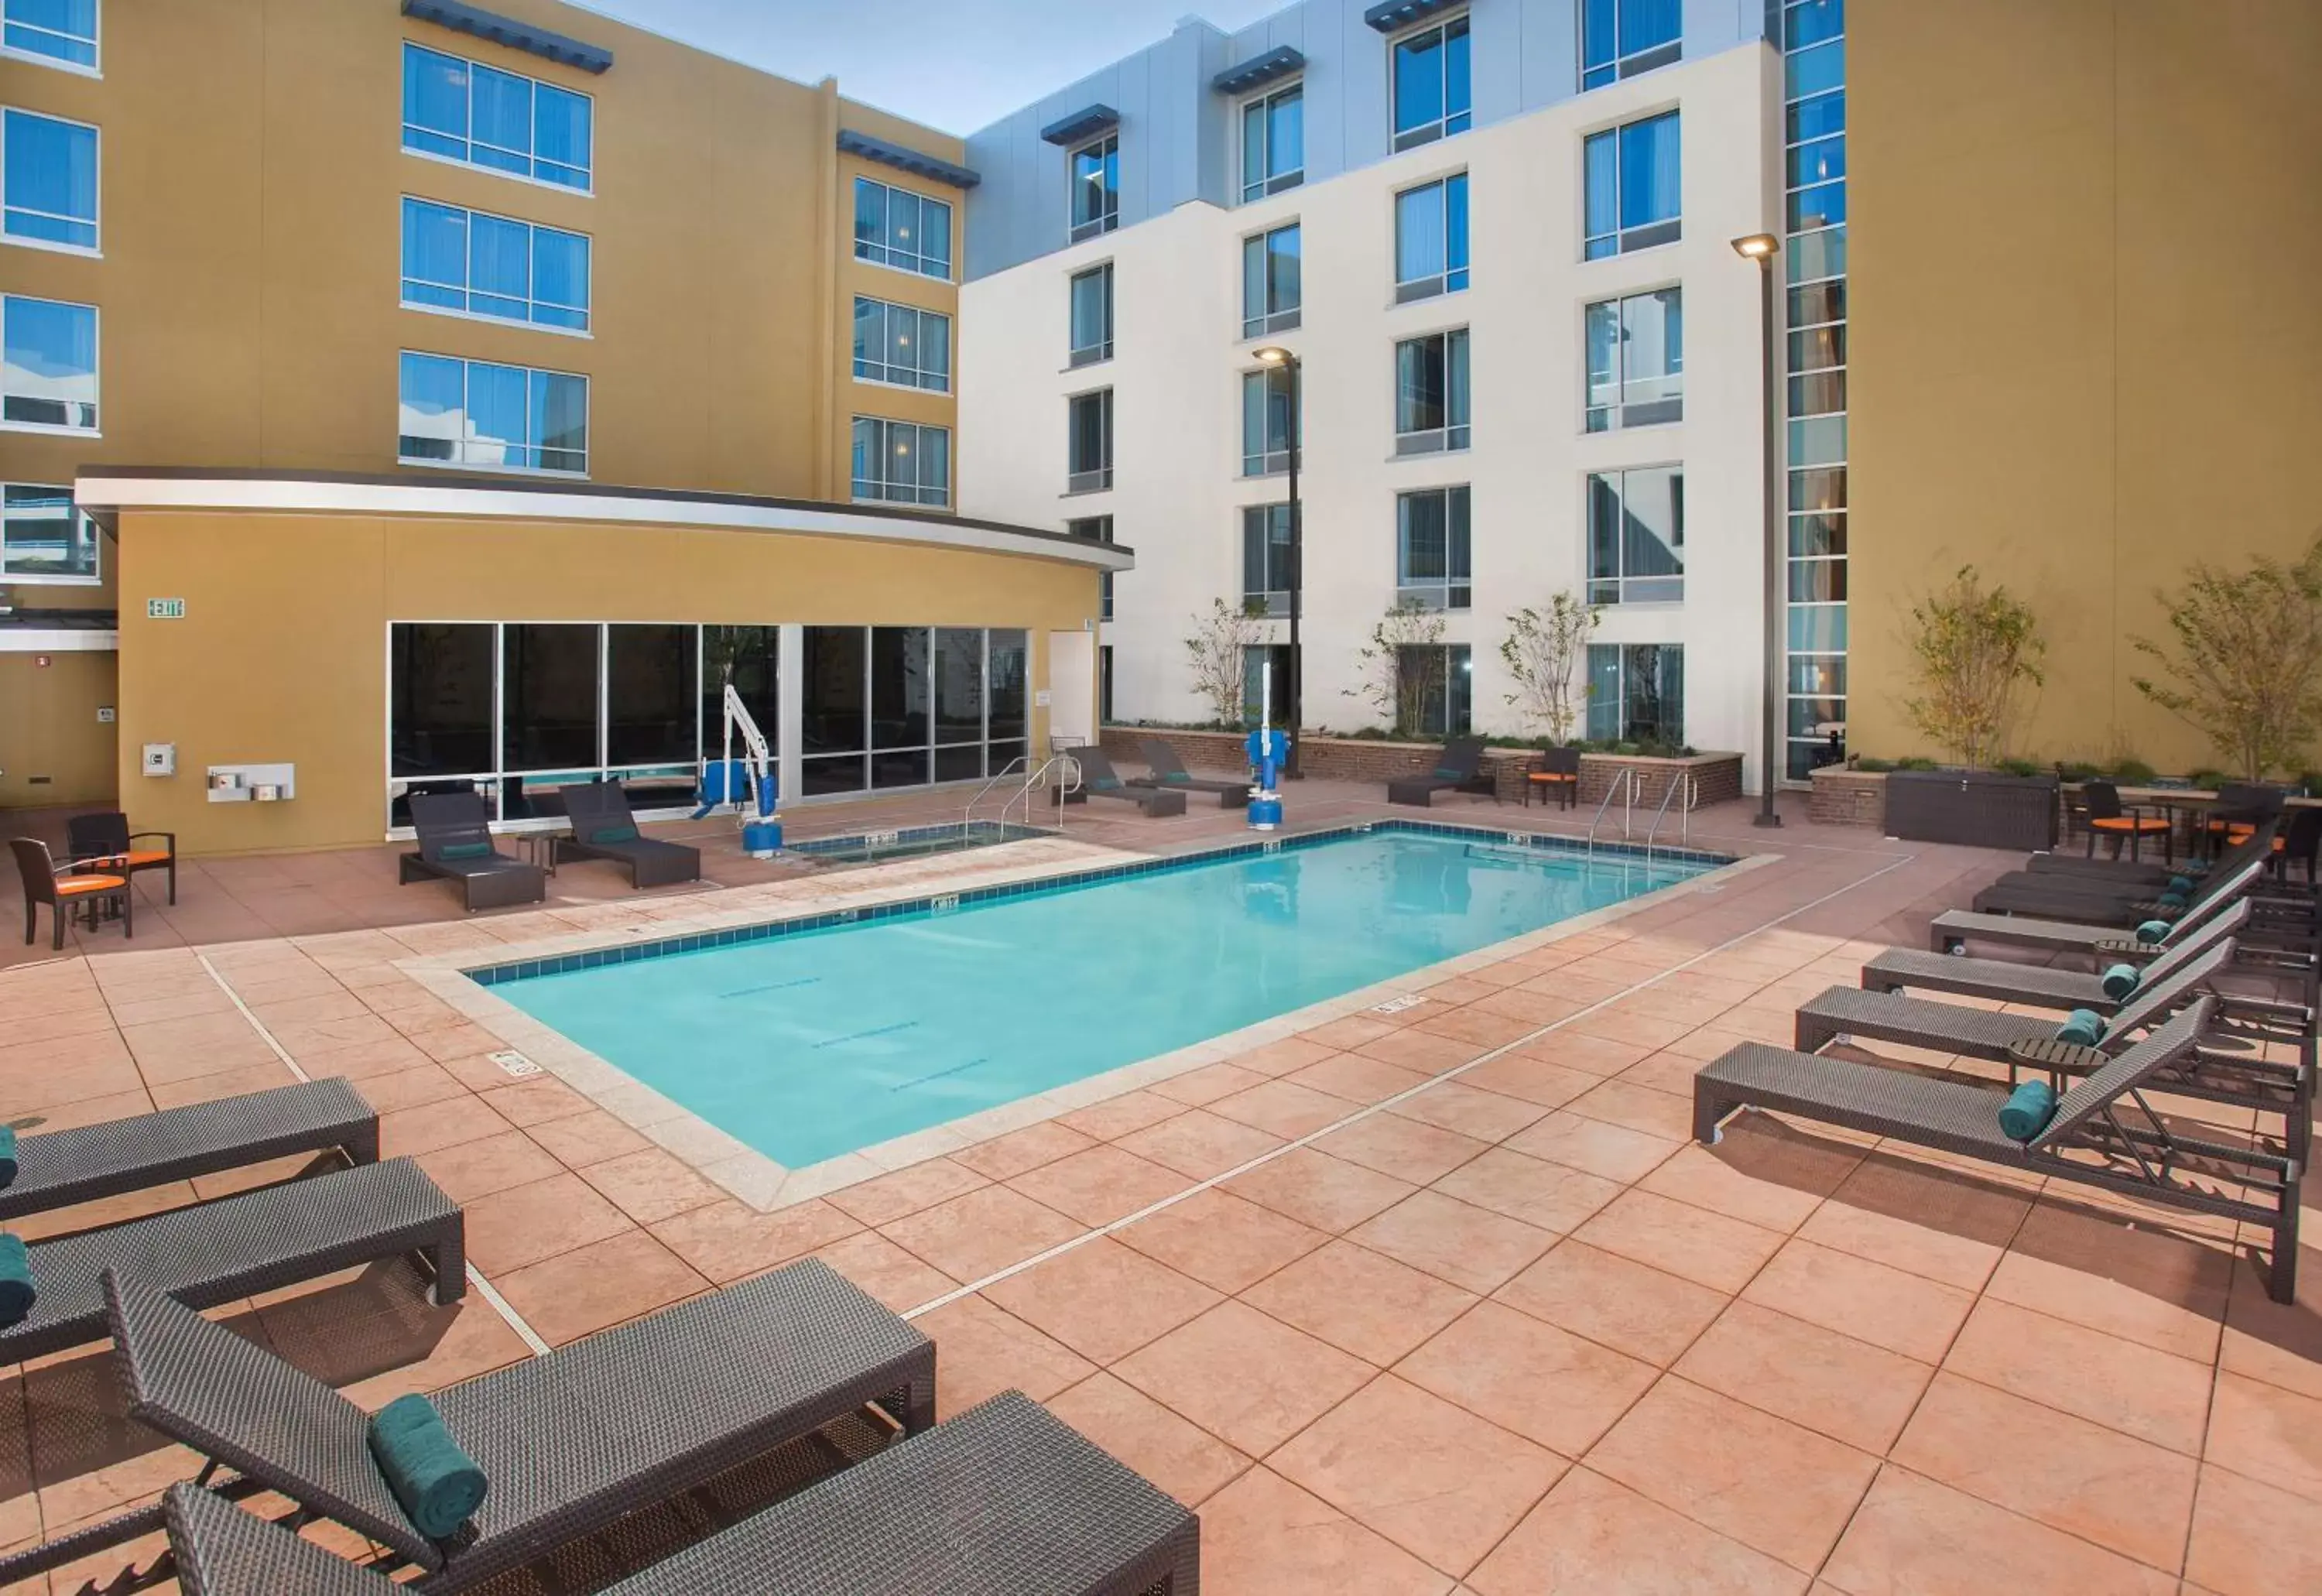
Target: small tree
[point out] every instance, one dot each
(2246, 667)
(1543, 652)
(1973, 648)
(1402, 664)
(1214, 653)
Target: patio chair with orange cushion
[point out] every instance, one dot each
(1556, 776)
(104, 842)
(64, 894)
(2241, 805)
(2106, 819)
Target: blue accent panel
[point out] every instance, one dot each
(505, 30)
(1277, 63)
(1392, 16)
(904, 159)
(1082, 125)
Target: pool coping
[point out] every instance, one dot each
(744, 1172)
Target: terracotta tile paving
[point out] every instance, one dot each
(1515, 1333)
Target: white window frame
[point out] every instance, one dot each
(1270, 461)
(81, 518)
(949, 263)
(96, 372)
(1093, 354)
(96, 42)
(1440, 128)
(1096, 478)
(532, 157)
(1274, 602)
(1104, 222)
(1270, 181)
(1451, 437)
(1650, 235)
(1616, 418)
(916, 375)
(1273, 318)
(1623, 64)
(95, 219)
(1410, 291)
(1099, 530)
(468, 364)
(1619, 582)
(1451, 591)
(920, 429)
(588, 311)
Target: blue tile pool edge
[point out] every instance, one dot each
(1545, 843)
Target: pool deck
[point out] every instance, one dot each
(1440, 1299)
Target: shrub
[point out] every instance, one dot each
(1876, 767)
(2245, 667)
(1974, 649)
(2133, 772)
(2018, 766)
(1215, 650)
(1543, 652)
(1402, 664)
(1916, 762)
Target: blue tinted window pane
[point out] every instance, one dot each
(1646, 24)
(431, 409)
(1418, 242)
(1455, 230)
(1822, 162)
(497, 424)
(1813, 119)
(1285, 137)
(51, 180)
(1419, 81)
(1283, 269)
(560, 422)
(61, 30)
(1814, 71)
(1815, 629)
(499, 267)
(1649, 185)
(1813, 21)
(870, 219)
(934, 244)
(1600, 155)
(1597, 36)
(561, 135)
(1457, 90)
(502, 109)
(559, 277)
(1824, 207)
(435, 255)
(435, 99)
(1253, 149)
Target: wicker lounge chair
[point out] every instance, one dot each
(104, 842)
(66, 894)
(603, 828)
(2057, 895)
(258, 1241)
(1099, 779)
(1457, 769)
(455, 844)
(64, 1167)
(1002, 1501)
(1949, 932)
(2007, 982)
(2101, 1133)
(570, 1441)
(1164, 770)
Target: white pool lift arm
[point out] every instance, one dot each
(758, 759)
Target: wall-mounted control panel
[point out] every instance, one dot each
(253, 784)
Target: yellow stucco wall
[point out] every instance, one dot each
(2085, 342)
(53, 750)
(281, 656)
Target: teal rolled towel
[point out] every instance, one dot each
(7, 1155)
(610, 835)
(438, 1483)
(2027, 1110)
(2180, 885)
(16, 1290)
(2082, 1028)
(2153, 931)
(2119, 981)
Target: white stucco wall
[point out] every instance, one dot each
(1176, 375)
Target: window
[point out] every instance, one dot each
(1271, 287)
(1096, 187)
(463, 111)
(1633, 187)
(1621, 38)
(888, 707)
(469, 413)
(48, 374)
(1089, 442)
(1431, 239)
(43, 537)
(1636, 693)
(1274, 142)
(896, 227)
(1267, 422)
(55, 32)
(1266, 559)
(1104, 681)
(1430, 84)
(482, 265)
(1097, 529)
(902, 463)
(1636, 361)
(1431, 393)
(1092, 299)
(1636, 536)
(51, 181)
(896, 344)
(1432, 689)
(1430, 548)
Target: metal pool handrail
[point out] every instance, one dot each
(1624, 782)
(1070, 782)
(1679, 783)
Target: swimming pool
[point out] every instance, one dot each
(878, 847)
(811, 1039)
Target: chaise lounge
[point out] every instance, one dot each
(1004, 1499)
(569, 1442)
(604, 828)
(455, 844)
(1457, 769)
(2007, 981)
(1165, 771)
(2088, 1139)
(2057, 895)
(64, 1167)
(1099, 779)
(1950, 931)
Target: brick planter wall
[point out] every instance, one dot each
(1717, 776)
(1848, 797)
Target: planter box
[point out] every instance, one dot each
(1848, 797)
(1973, 807)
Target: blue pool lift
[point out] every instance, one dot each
(746, 784)
(1268, 749)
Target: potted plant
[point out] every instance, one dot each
(1974, 650)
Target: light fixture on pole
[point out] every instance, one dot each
(1275, 355)
(1762, 247)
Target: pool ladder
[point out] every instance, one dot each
(1624, 788)
(1067, 771)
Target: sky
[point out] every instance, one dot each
(957, 65)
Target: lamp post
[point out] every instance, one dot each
(1762, 247)
(1275, 355)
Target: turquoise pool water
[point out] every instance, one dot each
(814, 1043)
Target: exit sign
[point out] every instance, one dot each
(165, 609)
